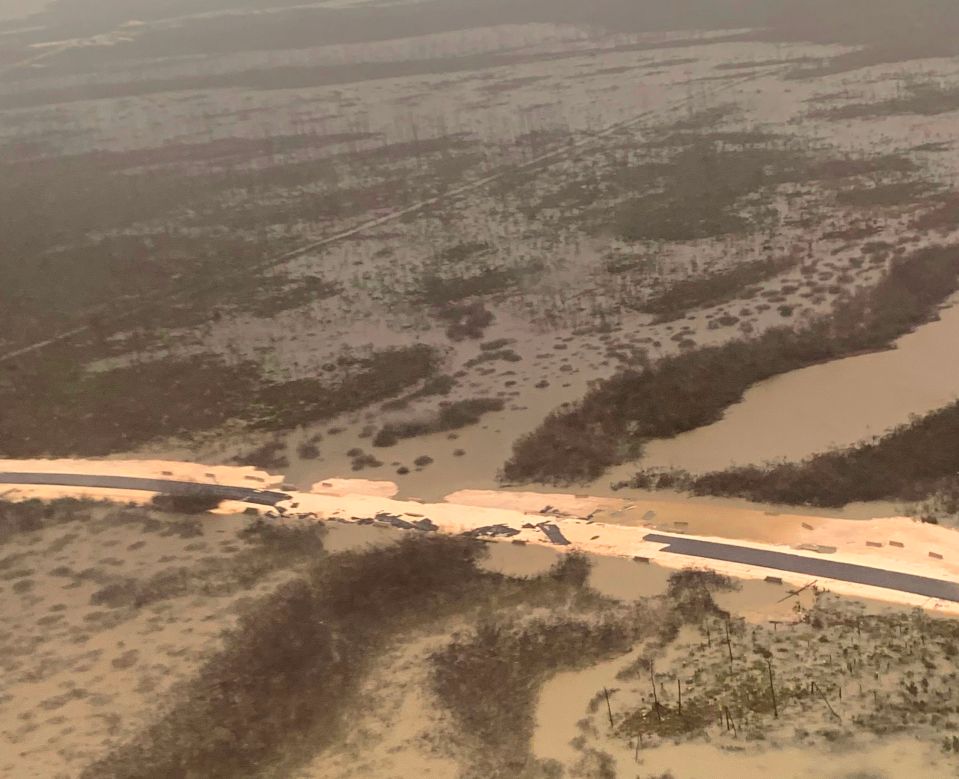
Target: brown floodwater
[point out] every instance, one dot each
(888, 759)
(834, 404)
(565, 700)
(521, 560)
(625, 579)
(351, 537)
(615, 577)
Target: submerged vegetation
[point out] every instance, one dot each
(690, 390)
(520, 655)
(291, 681)
(289, 677)
(445, 218)
(278, 691)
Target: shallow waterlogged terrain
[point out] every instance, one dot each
(495, 253)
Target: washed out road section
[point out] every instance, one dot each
(579, 534)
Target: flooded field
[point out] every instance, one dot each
(597, 622)
(573, 709)
(496, 254)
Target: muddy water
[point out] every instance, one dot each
(753, 600)
(556, 721)
(464, 459)
(758, 601)
(350, 537)
(834, 404)
(878, 760)
(623, 579)
(614, 577)
(519, 560)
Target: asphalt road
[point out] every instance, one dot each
(813, 566)
(166, 486)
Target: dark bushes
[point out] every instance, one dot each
(506, 355)
(31, 515)
(465, 320)
(188, 503)
(690, 591)
(910, 463)
(698, 292)
(383, 375)
(460, 413)
(515, 660)
(276, 693)
(700, 189)
(53, 407)
(437, 289)
(466, 412)
(269, 456)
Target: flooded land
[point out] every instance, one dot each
(440, 655)
(605, 269)
(832, 405)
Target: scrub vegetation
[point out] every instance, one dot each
(828, 675)
(288, 677)
(452, 416)
(295, 676)
(916, 97)
(55, 408)
(689, 294)
(917, 461)
(299, 240)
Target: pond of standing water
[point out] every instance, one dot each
(834, 404)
